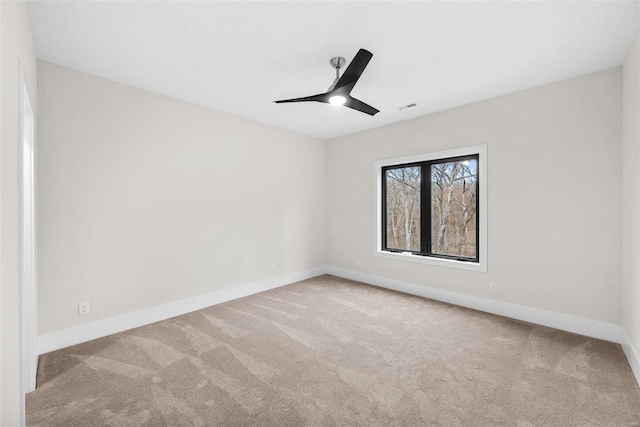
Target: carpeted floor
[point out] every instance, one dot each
(332, 352)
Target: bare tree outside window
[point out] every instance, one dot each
(430, 208)
(403, 208)
(453, 208)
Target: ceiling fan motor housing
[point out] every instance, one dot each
(338, 62)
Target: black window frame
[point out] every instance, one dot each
(425, 201)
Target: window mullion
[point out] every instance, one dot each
(425, 208)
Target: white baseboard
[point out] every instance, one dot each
(632, 357)
(79, 334)
(565, 322)
(578, 325)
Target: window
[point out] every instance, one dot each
(432, 208)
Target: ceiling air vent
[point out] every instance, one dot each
(404, 107)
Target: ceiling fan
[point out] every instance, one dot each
(339, 92)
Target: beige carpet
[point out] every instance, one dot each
(331, 352)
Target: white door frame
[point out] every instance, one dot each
(28, 242)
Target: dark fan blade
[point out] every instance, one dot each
(354, 71)
(321, 97)
(356, 104)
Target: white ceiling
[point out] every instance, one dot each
(239, 57)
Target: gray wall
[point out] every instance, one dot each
(146, 200)
(554, 196)
(631, 196)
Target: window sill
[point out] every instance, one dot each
(440, 262)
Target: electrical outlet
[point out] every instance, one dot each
(83, 308)
(273, 268)
(358, 262)
(493, 287)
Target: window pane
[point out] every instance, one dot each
(453, 208)
(403, 208)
